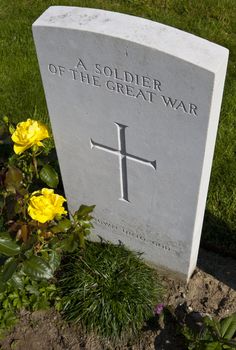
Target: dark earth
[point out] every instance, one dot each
(211, 290)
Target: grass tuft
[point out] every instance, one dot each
(109, 290)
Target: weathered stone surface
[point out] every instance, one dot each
(134, 107)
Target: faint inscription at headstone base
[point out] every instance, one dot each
(135, 235)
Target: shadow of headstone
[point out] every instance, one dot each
(217, 255)
(170, 337)
(218, 236)
(221, 267)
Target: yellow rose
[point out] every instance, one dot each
(44, 205)
(28, 134)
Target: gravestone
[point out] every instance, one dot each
(134, 107)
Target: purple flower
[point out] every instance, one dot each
(158, 309)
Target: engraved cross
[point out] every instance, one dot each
(123, 156)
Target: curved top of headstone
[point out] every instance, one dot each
(172, 41)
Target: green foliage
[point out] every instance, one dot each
(37, 268)
(80, 227)
(207, 333)
(7, 320)
(49, 176)
(32, 295)
(7, 246)
(23, 293)
(8, 270)
(109, 289)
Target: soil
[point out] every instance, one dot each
(211, 290)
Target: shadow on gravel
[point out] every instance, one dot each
(170, 337)
(218, 236)
(217, 255)
(221, 267)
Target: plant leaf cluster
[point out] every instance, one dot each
(202, 332)
(213, 334)
(24, 293)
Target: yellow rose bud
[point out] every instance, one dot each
(44, 205)
(28, 134)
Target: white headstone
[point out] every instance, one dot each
(134, 107)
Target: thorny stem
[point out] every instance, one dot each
(35, 165)
(24, 210)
